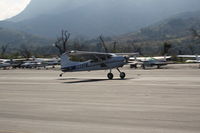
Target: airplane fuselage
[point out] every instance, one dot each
(114, 62)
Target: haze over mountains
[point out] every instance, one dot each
(91, 18)
(17, 38)
(172, 28)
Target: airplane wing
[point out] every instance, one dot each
(100, 53)
(188, 56)
(97, 56)
(127, 54)
(86, 53)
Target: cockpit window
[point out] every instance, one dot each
(91, 57)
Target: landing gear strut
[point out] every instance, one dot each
(110, 75)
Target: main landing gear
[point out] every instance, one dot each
(110, 75)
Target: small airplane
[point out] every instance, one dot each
(31, 64)
(150, 61)
(4, 63)
(195, 58)
(74, 61)
(13, 63)
(47, 61)
(160, 58)
(153, 62)
(40, 62)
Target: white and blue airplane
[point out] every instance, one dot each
(90, 61)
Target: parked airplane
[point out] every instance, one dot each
(48, 61)
(40, 62)
(153, 62)
(150, 61)
(31, 64)
(4, 63)
(194, 58)
(88, 61)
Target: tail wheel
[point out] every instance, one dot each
(122, 75)
(110, 76)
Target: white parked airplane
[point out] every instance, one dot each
(40, 62)
(195, 58)
(31, 64)
(4, 63)
(150, 61)
(47, 61)
(8, 63)
(160, 58)
(88, 61)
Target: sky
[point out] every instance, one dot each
(10, 8)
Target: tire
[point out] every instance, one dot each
(122, 75)
(110, 76)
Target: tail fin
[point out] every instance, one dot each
(65, 61)
(197, 57)
(165, 58)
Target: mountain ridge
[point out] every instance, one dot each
(176, 26)
(17, 38)
(93, 18)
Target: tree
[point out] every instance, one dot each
(114, 49)
(136, 48)
(25, 51)
(103, 44)
(195, 34)
(166, 46)
(79, 43)
(4, 48)
(62, 42)
(191, 48)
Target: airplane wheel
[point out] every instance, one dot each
(122, 75)
(110, 76)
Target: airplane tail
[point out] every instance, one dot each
(65, 61)
(197, 57)
(165, 57)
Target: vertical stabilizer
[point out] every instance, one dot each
(165, 57)
(197, 58)
(66, 62)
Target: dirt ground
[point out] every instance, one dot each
(154, 100)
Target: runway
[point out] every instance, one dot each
(153, 101)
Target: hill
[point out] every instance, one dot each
(175, 30)
(172, 28)
(91, 18)
(17, 38)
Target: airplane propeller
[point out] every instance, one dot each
(126, 59)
